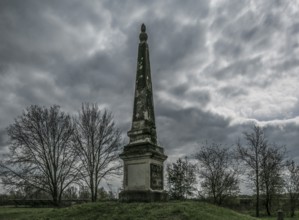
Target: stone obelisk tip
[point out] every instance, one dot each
(143, 35)
(143, 28)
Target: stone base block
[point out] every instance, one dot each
(143, 196)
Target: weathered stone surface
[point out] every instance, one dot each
(143, 158)
(156, 177)
(143, 124)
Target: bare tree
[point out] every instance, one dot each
(251, 154)
(292, 185)
(218, 172)
(271, 174)
(41, 152)
(97, 143)
(181, 178)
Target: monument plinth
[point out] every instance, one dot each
(143, 158)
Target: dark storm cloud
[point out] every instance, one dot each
(3, 69)
(204, 55)
(50, 38)
(33, 32)
(181, 130)
(48, 42)
(285, 135)
(101, 71)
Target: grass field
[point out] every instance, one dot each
(129, 211)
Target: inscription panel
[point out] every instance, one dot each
(136, 176)
(156, 177)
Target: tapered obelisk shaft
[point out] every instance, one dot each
(143, 122)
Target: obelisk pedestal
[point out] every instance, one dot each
(143, 158)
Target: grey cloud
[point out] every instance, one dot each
(247, 67)
(294, 112)
(156, 9)
(230, 8)
(285, 135)
(3, 138)
(180, 89)
(201, 97)
(287, 64)
(232, 91)
(246, 39)
(247, 30)
(176, 45)
(183, 92)
(182, 130)
(227, 49)
(251, 27)
(295, 28)
(179, 129)
(3, 69)
(99, 71)
(47, 38)
(51, 40)
(249, 34)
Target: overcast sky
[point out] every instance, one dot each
(217, 65)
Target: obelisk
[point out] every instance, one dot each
(143, 158)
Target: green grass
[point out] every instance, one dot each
(130, 211)
(22, 213)
(273, 217)
(127, 211)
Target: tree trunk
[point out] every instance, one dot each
(214, 197)
(267, 207)
(293, 206)
(93, 199)
(95, 194)
(92, 188)
(257, 208)
(220, 200)
(55, 197)
(267, 202)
